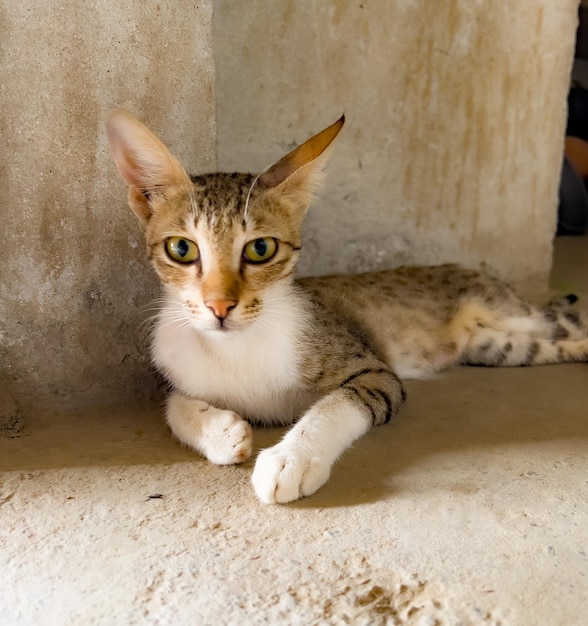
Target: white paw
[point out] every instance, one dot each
(227, 439)
(281, 475)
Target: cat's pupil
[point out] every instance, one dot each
(182, 247)
(260, 246)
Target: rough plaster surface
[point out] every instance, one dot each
(455, 122)
(74, 279)
(471, 508)
(11, 420)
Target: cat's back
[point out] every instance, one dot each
(403, 312)
(412, 288)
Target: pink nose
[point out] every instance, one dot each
(221, 308)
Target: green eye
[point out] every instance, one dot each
(260, 250)
(182, 250)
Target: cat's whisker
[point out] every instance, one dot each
(152, 322)
(275, 301)
(167, 321)
(168, 315)
(162, 299)
(172, 306)
(251, 187)
(153, 308)
(262, 323)
(158, 303)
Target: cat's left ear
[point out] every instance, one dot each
(303, 168)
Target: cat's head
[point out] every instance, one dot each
(222, 244)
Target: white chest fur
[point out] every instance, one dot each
(254, 371)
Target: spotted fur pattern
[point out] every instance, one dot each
(425, 319)
(326, 354)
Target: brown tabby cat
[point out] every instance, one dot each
(240, 339)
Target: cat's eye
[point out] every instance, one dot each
(182, 250)
(260, 250)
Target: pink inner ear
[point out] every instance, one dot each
(122, 154)
(142, 159)
(129, 170)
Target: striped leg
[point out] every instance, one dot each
(502, 349)
(302, 461)
(551, 334)
(565, 323)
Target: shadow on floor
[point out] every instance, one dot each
(465, 417)
(466, 413)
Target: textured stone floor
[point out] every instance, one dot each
(472, 508)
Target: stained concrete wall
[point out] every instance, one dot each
(451, 152)
(455, 122)
(73, 276)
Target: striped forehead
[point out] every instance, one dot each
(218, 200)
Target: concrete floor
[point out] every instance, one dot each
(472, 508)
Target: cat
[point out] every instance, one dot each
(242, 341)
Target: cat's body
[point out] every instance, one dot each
(238, 337)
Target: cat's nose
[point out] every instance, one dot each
(221, 308)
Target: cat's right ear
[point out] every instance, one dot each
(146, 165)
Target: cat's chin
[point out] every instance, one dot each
(226, 330)
(221, 331)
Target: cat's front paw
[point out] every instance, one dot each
(281, 475)
(227, 439)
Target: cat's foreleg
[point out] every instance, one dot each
(221, 436)
(302, 461)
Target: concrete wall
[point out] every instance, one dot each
(452, 149)
(74, 281)
(455, 122)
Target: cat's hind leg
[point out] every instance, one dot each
(563, 321)
(550, 334)
(220, 436)
(502, 349)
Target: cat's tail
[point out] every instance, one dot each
(554, 333)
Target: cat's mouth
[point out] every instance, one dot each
(222, 327)
(218, 327)
(228, 327)
(215, 327)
